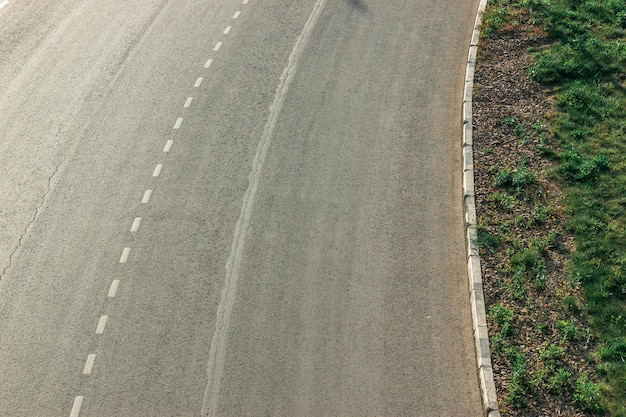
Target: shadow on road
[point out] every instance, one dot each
(358, 4)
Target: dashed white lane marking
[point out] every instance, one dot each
(101, 324)
(208, 63)
(227, 30)
(237, 14)
(168, 145)
(157, 170)
(188, 102)
(217, 46)
(113, 290)
(78, 402)
(244, 2)
(199, 81)
(179, 122)
(124, 256)
(146, 196)
(135, 226)
(91, 358)
(4, 3)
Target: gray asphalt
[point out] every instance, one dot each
(340, 289)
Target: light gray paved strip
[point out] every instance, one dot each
(481, 337)
(225, 307)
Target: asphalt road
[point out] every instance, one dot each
(233, 208)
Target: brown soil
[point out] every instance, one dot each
(512, 116)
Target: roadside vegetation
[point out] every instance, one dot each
(550, 151)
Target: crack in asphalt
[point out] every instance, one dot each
(30, 223)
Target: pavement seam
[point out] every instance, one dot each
(477, 299)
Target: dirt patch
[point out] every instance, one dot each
(525, 244)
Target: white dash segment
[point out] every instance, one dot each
(124, 256)
(218, 46)
(208, 63)
(135, 226)
(188, 102)
(237, 14)
(146, 196)
(227, 30)
(157, 170)
(244, 2)
(199, 81)
(178, 123)
(168, 145)
(78, 403)
(101, 324)
(4, 3)
(113, 290)
(91, 358)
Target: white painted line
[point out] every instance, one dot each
(188, 102)
(227, 30)
(244, 2)
(237, 14)
(135, 225)
(78, 402)
(124, 256)
(101, 323)
(157, 170)
(113, 289)
(217, 46)
(168, 145)
(91, 358)
(146, 196)
(179, 122)
(4, 3)
(199, 80)
(208, 63)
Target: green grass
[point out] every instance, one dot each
(584, 64)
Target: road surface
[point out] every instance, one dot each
(233, 208)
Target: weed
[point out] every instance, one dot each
(560, 382)
(488, 240)
(568, 328)
(587, 395)
(510, 120)
(517, 393)
(575, 167)
(614, 350)
(504, 201)
(552, 354)
(503, 317)
(503, 178)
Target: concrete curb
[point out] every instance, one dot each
(477, 300)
